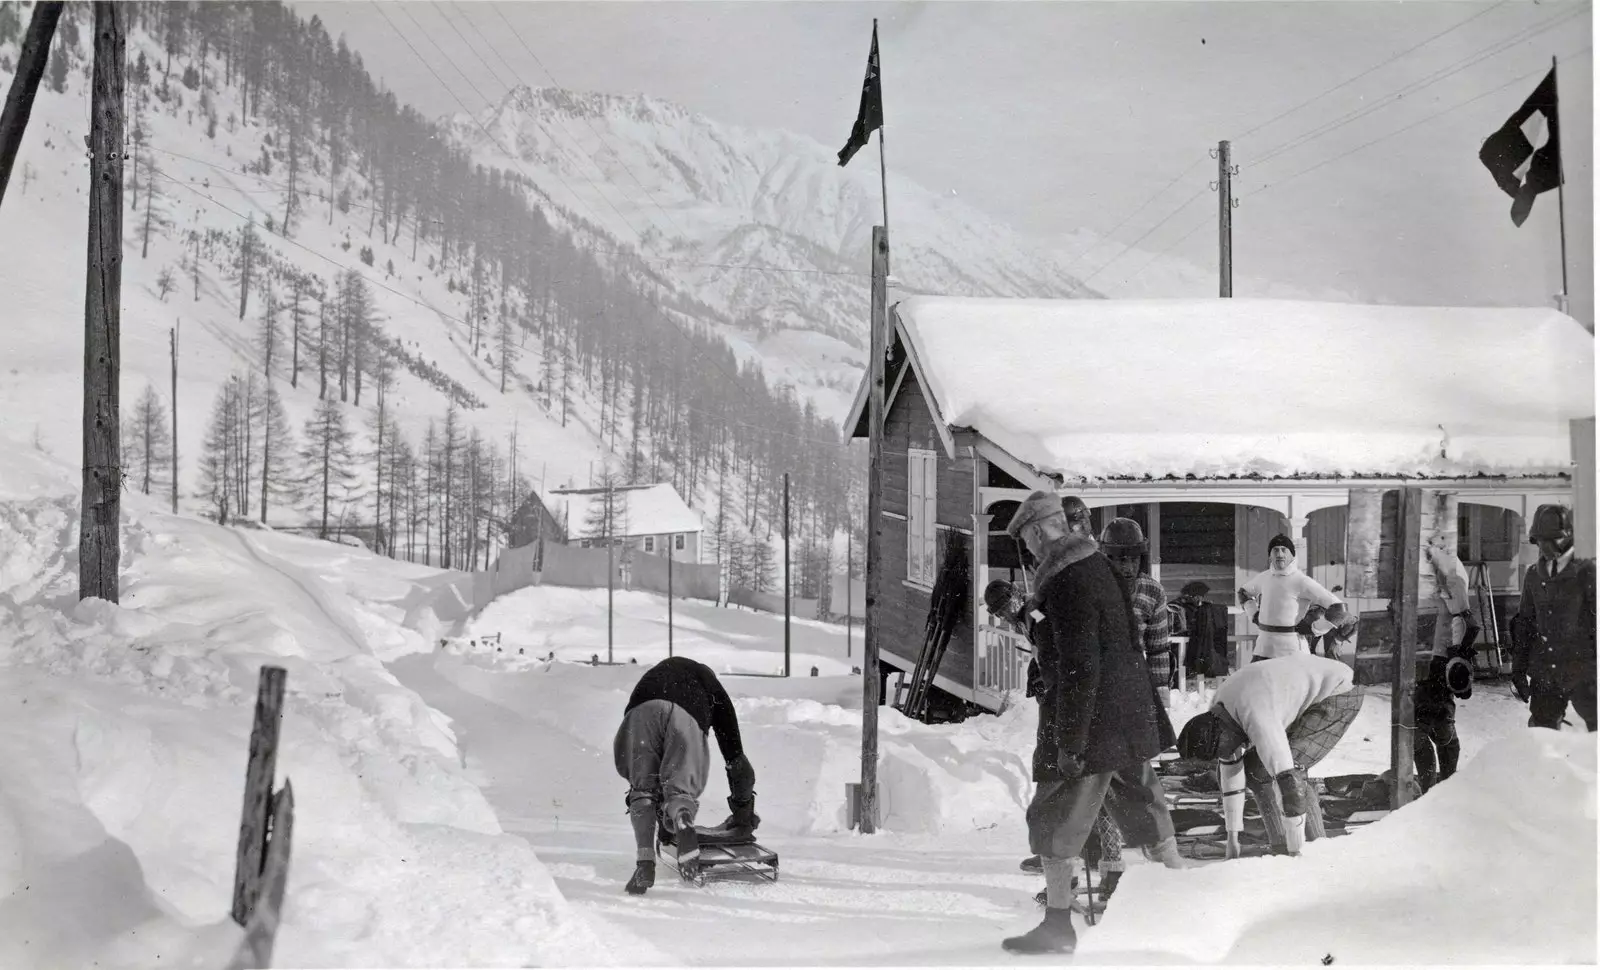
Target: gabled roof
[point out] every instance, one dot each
(1220, 388)
(642, 510)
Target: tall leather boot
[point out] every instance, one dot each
(1055, 934)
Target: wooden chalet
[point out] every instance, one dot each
(1216, 424)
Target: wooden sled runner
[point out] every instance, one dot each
(748, 861)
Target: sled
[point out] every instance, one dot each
(744, 861)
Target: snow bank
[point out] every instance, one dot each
(1495, 865)
(124, 733)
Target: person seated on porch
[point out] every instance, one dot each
(1268, 726)
(1287, 602)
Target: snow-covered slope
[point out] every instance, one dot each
(203, 188)
(762, 225)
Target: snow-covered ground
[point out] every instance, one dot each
(459, 806)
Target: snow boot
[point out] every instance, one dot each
(1054, 935)
(688, 852)
(644, 876)
(1032, 864)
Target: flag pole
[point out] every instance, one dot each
(883, 171)
(1561, 179)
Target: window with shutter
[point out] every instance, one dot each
(921, 515)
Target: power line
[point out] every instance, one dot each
(1450, 70)
(1351, 80)
(1073, 265)
(1519, 79)
(1295, 142)
(1183, 205)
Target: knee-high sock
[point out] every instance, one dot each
(642, 814)
(1058, 881)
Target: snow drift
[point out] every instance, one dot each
(1495, 865)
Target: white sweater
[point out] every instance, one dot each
(1266, 697)
(1283, 599)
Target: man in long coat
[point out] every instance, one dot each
(1554, 628)
(1098, 714)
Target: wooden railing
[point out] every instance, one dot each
(1001, 665)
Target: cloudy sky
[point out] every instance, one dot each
(1355, 125)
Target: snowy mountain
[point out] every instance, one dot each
(761, 225)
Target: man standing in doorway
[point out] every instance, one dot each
(1286, 598)
(1553, 631)
(1097, 712)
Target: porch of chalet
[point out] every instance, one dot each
(1217, 533)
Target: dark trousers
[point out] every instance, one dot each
(1548, 704)
(1435, 746)
(1063, 813)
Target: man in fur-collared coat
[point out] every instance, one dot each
(1098, 714)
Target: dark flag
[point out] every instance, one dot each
(869, 117)
(1520, 169)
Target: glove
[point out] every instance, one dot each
(1519, 684)
(1243, 594)
(1069, 765)
(741, 779)
(1470, 637)
(744, 814)
(644, 876)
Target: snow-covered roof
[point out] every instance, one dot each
(1219, 388)
(642, 510)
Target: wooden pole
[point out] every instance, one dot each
(883, 168)
(1225, 215)
(786, 592)
(1561, 192)
(669, 597)
(19, 100)
(172, 335)
(257, 791)
(611, 584)
(867, 813)
(99, 546)
(1402, 704)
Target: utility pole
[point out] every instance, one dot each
(1225, 204)
(669, 595)
(172, 337)
(25, 84)
(867, 799)
(849, 586)
(610, 576)
(99, 544)
(786, 609)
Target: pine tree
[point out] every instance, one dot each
(277, 450)
(270, 337)
(506, 349)
(244, 263)
(147, 443)
(218, 464)
(328, 458)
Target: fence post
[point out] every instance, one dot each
(255, 951)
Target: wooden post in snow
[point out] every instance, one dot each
(1402, 718)
(255, 950)
(99, 546)
(867, 797)
(786, 602)
(259, 773)
(25, 84)
(172, 335)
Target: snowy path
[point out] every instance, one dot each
(841, 899)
